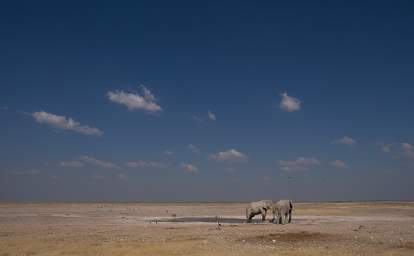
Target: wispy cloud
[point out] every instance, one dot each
(135, 101)
(402, 150)
(339, 164)
(64, 123)
(73, 164)
(168, 152)
(299, 164)
(407, 150)
(99, 163)
(197, 118)
(194, 149)
(211, 116)
(230, 155)
(145, 164)
(189, 168)
(386, 148)
(345, 141)
(289, 104)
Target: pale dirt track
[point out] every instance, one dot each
(373, 228)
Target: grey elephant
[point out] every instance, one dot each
(259, 207)
(282, 209)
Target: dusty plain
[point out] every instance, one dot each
(363, 228)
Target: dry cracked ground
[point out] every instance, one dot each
(368, 228)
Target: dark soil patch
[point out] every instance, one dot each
(6, 234)
(208, 219)
(221, 220)
(295, 237)
(407, 245)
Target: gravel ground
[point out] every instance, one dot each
(368, 228)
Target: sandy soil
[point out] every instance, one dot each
(372, 228)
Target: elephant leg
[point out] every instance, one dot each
(263, 212)
(250, 217)
(279, 218)
(282, 218)
(273, 215)
(254, 213)
(290, 216)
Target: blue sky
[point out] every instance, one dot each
(217, 101)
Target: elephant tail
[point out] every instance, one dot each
(291, 205)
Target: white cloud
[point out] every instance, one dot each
(345, 141)
(74, 164)
(145, 164)
(194, 149)
(399, 150)
(97, 162)
(407, 150)
(201, 118)
(148, 95)
(168, 152)
(230, 155)
(406, 146)
(61, 122)
(135, 101)
(339, 164)
(289, 104)
(211, 115)
(197, 118)
(189, 168)
(299, 164)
